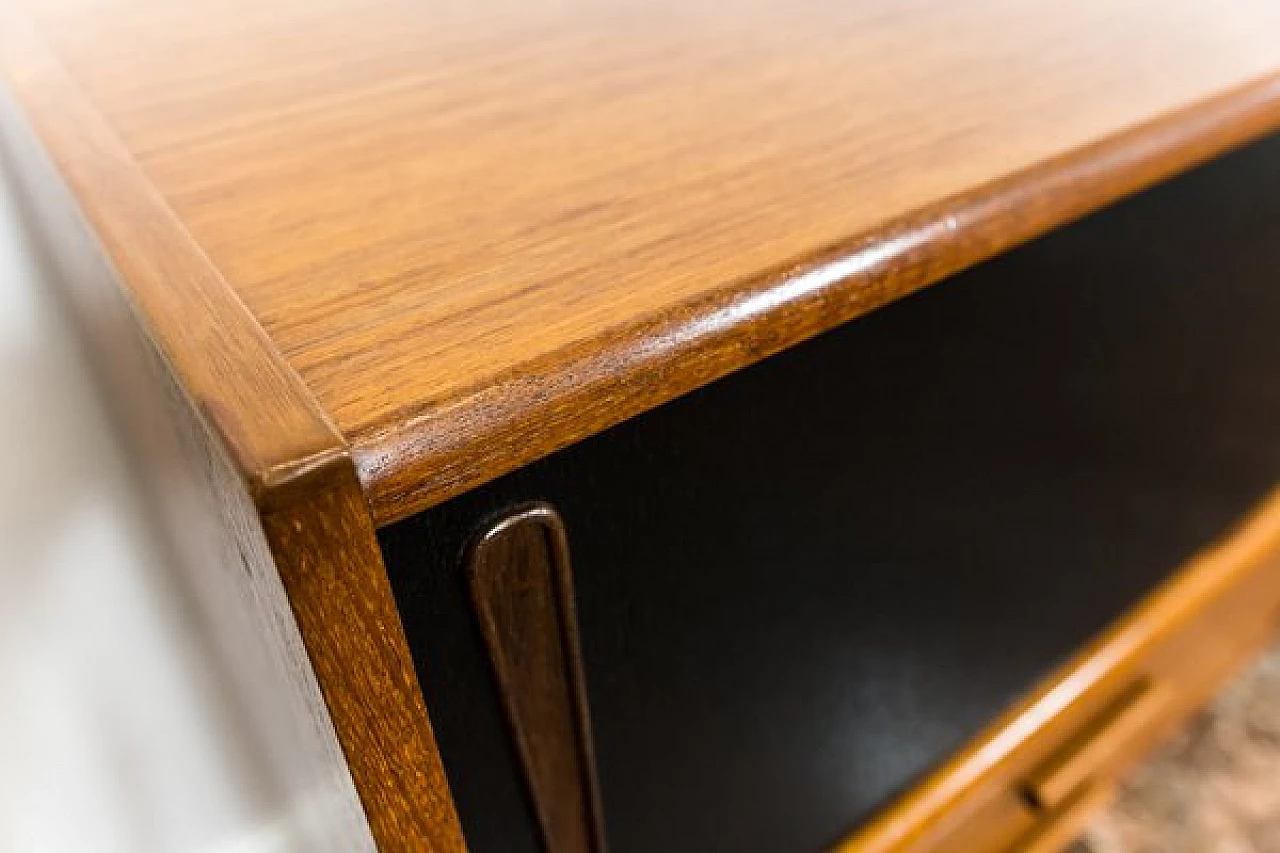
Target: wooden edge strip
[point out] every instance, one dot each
(332, 569)
(272, 427)
(1161, 615)
(432, 453)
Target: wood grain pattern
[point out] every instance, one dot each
(323, 542)
(1191, 634)
(405, 247)
(266, 416)
(482, 231)
(266, 516)
(522, 589)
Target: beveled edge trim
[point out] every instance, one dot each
(434, 454)
(516, 706)
(272, 427)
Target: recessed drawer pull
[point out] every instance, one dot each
(1063, 825)
(1052, 782)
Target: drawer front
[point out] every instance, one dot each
(800, 589)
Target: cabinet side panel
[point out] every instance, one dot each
(216, 539)
(245, 468)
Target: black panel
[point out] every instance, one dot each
(804, 586)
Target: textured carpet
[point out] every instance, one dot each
(1215, 788)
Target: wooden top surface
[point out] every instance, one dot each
(478, 231)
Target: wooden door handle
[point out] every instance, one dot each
(522, 589)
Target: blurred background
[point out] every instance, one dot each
(116, 733)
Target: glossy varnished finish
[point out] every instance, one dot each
(268, 419)
(257, 487)
(482, 231)
(522, 590)
(794, 614)
(322, 539)
(375, 254)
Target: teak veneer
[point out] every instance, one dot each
(367, 277)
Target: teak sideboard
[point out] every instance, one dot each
(684, 426)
